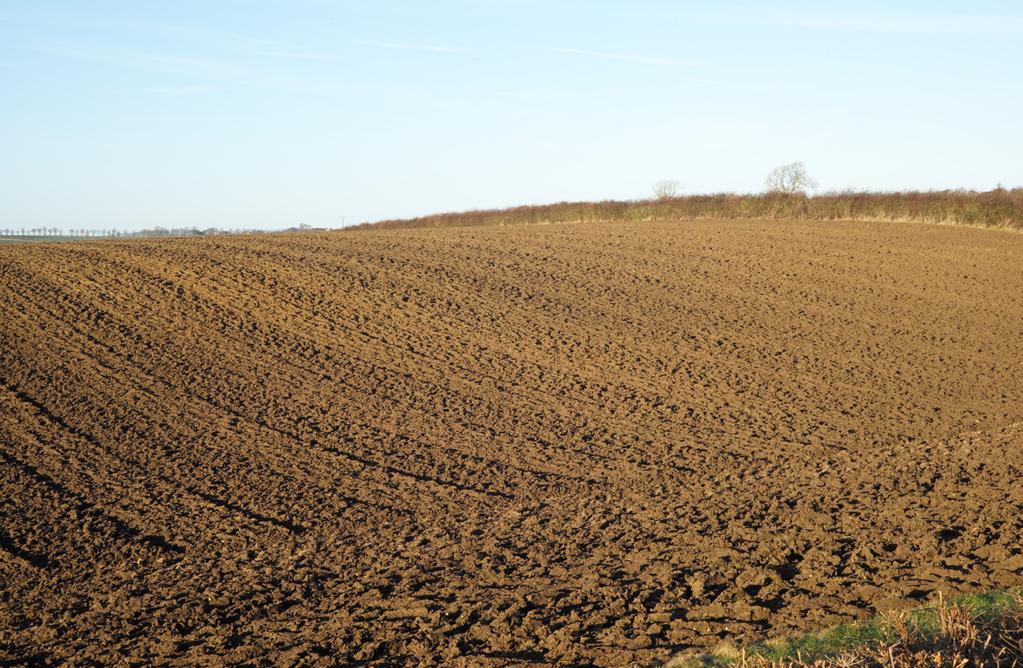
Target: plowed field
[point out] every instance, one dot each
(593, 444)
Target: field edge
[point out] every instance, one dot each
(933, 628)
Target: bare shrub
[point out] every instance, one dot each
(666, 189)
(790, 179)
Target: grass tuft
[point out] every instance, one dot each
(973, 630)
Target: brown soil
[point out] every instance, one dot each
(547, 444)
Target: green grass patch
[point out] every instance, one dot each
(936, 626)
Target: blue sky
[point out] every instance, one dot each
(266, 114)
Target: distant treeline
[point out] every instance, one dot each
(996, 208)
(60, 233)
(56, 233)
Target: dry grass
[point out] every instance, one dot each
(980, 630)
(1000, 208)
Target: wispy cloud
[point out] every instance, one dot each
(293, 55)
(628, 57)
(245, 45)
(410, 47)
(137, 59)
(183, 90)
(228, 42)
(922, 23)
(533, 93)
(208, 71)
(196, 67)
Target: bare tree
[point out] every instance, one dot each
(666, 189)
(791, 178)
